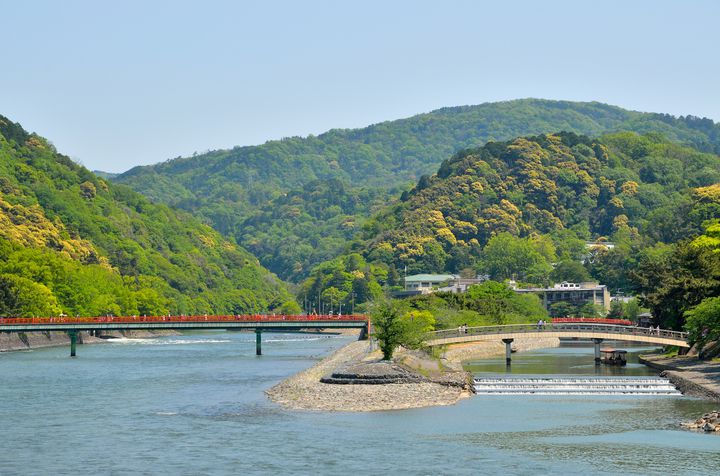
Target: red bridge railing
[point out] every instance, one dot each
(591, 320)
(171, 319)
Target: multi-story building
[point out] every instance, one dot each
(577, 294)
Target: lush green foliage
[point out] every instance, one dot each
(489, 303)
(281, 200)
(70, 242)
(388, 326)
(703, 321)
(675, 278)
(394, 324)
(337, 285)
(510, 209)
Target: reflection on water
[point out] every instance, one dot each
(194, 404)
(573, 359)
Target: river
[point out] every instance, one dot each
(194, 404)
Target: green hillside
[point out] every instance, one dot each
(71, 242)
(543, 185)
(514, 209)
(266, 196)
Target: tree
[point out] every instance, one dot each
(632, 309)
(562, 309)
(617, 310)
(673, 279)
(388, 326)
(416, 326)
(508, 257)
(27, 298)
(703, 321)
(592, 310)
(571, 271)
(500, 305)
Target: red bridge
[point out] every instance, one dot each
(257, 322)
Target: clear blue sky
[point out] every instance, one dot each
(118, 84)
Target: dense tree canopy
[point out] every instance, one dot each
(511, 209)
(294, 202)
(675, 278)
(71, 242)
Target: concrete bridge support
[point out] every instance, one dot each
(258, 342)
(597, 343)
(73, 342)
(508, 350)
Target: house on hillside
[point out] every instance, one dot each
(431, 283)
(575, 294)
(427, 283)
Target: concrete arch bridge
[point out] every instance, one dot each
(596, 332)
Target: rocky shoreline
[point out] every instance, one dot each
(355, 364)
(354, 379)
(709, 422)
(692, 376)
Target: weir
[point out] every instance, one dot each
(574, 386)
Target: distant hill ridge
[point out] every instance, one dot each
(278, 199)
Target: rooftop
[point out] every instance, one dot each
(437, 278)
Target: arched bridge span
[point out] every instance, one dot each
(596, 332)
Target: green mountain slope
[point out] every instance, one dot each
(238, 190)
(511, 209)
(71, 242)
(543, 185)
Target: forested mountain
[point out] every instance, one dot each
(264, 196)
(71, 242)
(544, 185)
(514, 209)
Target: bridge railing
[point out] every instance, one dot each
(174, 319)
(558, 327)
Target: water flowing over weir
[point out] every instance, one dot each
(574, 386)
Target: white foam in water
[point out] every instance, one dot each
(303, 339)
(124, 340)
(574, 386)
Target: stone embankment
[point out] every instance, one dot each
(14, 341)
(361, 382)
(709, 422)
(690, 375)
(495, 348)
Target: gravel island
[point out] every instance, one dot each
(411, 389)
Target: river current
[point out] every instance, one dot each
(194, 404)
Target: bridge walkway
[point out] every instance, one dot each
(255, 322)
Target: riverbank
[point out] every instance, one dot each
(353, 379)
(18, 341)
(305, 391)
(459, 353)
(690, 375)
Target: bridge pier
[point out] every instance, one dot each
(73, 342)
(597, 343)
(508, 350)
(258, 342)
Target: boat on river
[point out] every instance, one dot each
(613, 356)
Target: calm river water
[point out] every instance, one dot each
(194, 404)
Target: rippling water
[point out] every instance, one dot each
(195, 405)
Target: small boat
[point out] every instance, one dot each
(613, 356)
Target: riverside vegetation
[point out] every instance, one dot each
(70, 242)
(516, 209)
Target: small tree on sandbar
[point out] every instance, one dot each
(388, 325)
